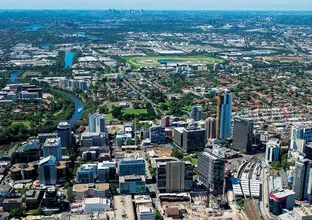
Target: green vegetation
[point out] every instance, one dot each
(25, 123)
(18, 213)
(240, 202)
(33, 117)
(137, 61)
(134, 111)
(37, 211)
(192, 159)
(177, 152)
(282, 163)
(113, 189)
(70, 196)
(109, 117)
(129, 114)
(158, 215)
(152, 171)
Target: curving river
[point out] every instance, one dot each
(79, 107)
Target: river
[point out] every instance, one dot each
(78, 105)
(14, 77)
(69, 58)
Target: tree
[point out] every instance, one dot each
(113, 189)
(176, 152)
(70, 196)
(116, 112)
(37, 211)
(187, 158)
(17, 213)
(158, 215)
(276, 165)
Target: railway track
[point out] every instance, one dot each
(251, 210)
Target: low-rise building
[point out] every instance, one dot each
(132, 167)
(123, 207)
(106, 171)
(87, 173)
(91, 205)
(33, 198)
(10, 204)
(82, 191)
(303, 213)
(132, 184)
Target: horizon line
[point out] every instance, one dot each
(78, 9)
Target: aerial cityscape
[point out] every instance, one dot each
(125, 114)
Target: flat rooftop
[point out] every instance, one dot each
(123, 207)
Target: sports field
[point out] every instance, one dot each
(152, 61)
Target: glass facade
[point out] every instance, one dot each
(225, 115)
(132, 167)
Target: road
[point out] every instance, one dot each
(143, 96)
(233, 206)
(291, 48)
(265, 193)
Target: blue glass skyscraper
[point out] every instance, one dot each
(224, 116)
(97, 123)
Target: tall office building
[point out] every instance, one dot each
(170, 176)
(132, 167)
(302, 179)
(272, 151)
(211, 171)
(48, 171)
(196, 113)
(243, 135)
(52, 146)
(64, 132)
(301, 134)
(210, 126)
(190, 139)
(97, 123)
(224, 115)
(158, 135)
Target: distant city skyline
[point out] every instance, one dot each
(159, 4)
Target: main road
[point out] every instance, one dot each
(265, 193)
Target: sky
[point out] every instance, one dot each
(160, 4)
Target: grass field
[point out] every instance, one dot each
(138, 62)
(26, 123)
(109, 117)
(134, 111)
(309, 72)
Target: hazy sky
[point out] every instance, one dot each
(160, 4)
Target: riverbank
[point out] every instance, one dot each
(79, 107)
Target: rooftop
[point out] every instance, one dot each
(97, 201)
(279, 194)
(47, 159)
(123, 207)
(131, 178)
(52, 142)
